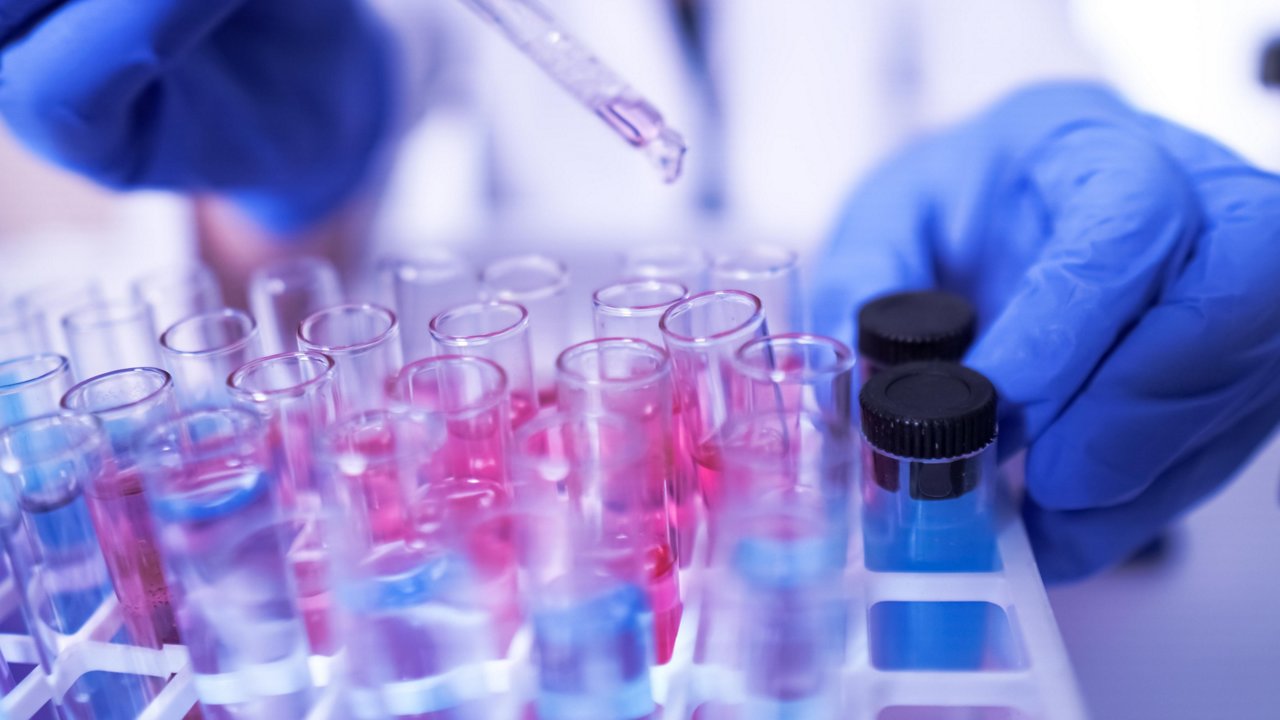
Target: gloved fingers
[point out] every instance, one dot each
(1121, 218)
(1196, 153)
(881, 244)
(1205, 356)
(17, 16)
(1073, 544)
(89, 69)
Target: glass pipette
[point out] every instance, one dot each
(533, 30)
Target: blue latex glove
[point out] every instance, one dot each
(1127, 278)
(278, 104)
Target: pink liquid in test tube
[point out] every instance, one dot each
(702, 334)
(293, 394)
(498, 331)
(128, 402)
(538, 284)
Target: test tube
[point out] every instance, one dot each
(284, 293)
(770, 273)
(127, 402)
(413, 596)
(17, 337)
(798, 373)
(212, 485)
(422, 286)
(632, 308)
(31, 386)
(111, 336)
(498, 331)
(686, 264)
(702, 334)
(202, 351)
(45, 465)
(293, 395)
(594, 628)
(44, 308)
(913, 327)
(537, 283)
(364, 342)
(630, 379)
(178, 292)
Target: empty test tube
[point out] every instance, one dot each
(798, 372)
(44, 308)
(108, 336)
(293, 394)
(364, 342)
(422, 286)
(201, 351)
(284, 293)
(702, 334)
(686, 264)
(45, 526)
(127, 402)
(178, 292)
(498, 331)
(913, 327)
(632, 308)
(212, 484)
(589, 591)
(32, 385)
(770, 273)
(17, 337)
(538, 284)
(416, 596)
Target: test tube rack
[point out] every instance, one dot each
(1035, 681)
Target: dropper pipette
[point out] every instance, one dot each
(535, 32)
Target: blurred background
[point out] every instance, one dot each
(1193, 632)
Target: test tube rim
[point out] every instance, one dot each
(701, 258)
(153, 444)
(291, 268)
(843, 354)
(478, 339)
(79, 389)
(60, 366)
(615, 310)
(663, 368)
(434, 264)
(65, 423)
(788, 261)
(664, 324)
(103, 314)
(368, 309)
(561, 275)
(247, 325)
(296, 390)
(490, 400)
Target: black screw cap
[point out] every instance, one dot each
(929, 411)
(914, 326)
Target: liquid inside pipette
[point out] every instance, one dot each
(641, 125)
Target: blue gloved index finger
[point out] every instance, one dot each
(17, 16)
(1123, 217)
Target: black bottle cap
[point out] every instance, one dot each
(914, 326)
(929, 411)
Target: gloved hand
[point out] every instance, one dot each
(278, 104)
(1126, 274)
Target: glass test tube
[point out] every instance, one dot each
(202, 351)
(912, 327)
(364, 342)
(111, 336)
(17, 337)
(284, 293)
(632, 308)
(770, 273)
(702, 334)
(175, 293)
(630, 380)
(293, 394)
(212, 484)
(421, 287)
(686, 264)
(128, 402)
(45, 526)
(593, 624)
(537, 283)
(498, 331)
(796, 373)
(415, 594)
(31, 386)
(44, 308)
